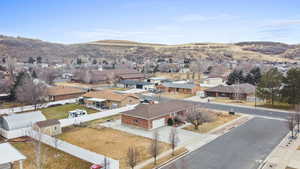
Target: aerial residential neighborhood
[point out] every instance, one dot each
(90, 84)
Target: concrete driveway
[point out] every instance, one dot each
(190, 140)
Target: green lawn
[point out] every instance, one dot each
(60, 112)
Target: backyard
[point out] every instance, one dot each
(60, 112)
(52, 158)
(110, 142)
(221, 119)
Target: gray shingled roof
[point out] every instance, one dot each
(151, 111)
(244, 88)
(179, 85)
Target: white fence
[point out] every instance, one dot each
(31, 107)
(94, 116)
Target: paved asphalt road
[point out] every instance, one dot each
(241, 148)
(250, 111)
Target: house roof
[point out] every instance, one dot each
(22, 120)
(179, 85)
(47, 123)
(134, 82)
(63, 90)
(151, 111)
(108, 95)
(244, 88)
(131, 76)
(10, 155)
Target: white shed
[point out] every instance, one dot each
(10, 155)
(22, 120)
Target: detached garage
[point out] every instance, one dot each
(152, 116)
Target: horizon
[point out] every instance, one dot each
(167, 22)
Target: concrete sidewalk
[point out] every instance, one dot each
(286, 154)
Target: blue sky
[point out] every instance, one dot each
(158, 21)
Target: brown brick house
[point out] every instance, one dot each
(109, 99)
(151, 116)
(184, 88)
(242, 91)
(62, 92)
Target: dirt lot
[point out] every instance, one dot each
(221, 119)
(52, 158)
(60, 112)
(110, 142)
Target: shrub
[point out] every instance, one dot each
(170, 122)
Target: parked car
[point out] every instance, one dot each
(77, 113)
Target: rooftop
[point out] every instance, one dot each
(10, 154)
(63, 90)
(241, 88)
(108, 95)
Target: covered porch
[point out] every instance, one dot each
(96, 103)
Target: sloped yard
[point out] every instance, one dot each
(110, 142)
(206, 127)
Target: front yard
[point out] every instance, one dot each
(175, 95)
(110, 142)
(221, 119)
(61, 112)
(52, 158)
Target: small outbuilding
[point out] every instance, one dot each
(22, 120)
(50, 127)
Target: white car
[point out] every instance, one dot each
(77, 113)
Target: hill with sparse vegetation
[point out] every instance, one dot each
(23, 48)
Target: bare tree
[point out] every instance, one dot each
(174, 139)
(297, 117)
(132, 156)
(291, 123)
(39, 159)
(31, 92)
(155, 146)
(197, 118)
(47, 75)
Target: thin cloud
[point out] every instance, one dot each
(281, 23)
(201, 18)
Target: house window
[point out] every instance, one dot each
(136, 121)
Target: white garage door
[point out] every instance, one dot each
(158, 123)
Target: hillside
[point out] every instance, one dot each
(23, 48)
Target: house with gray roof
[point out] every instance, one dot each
(179, 87)
(240, 91)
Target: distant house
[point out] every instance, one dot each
(241, 91)
(212, 81)
(157, 80)
(10, 156)
(50, 127)
(179, 87)
(22, 120)
(109, 99)
(62, 92)
(151, 116)
(136, 84)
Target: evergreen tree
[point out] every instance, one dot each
(291, 90)
(39, 59)
(31, 60)
(237, 76)
(270, 84)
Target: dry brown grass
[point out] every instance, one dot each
(221, 119)
(110, 142)
(53, 159)
(163, 160)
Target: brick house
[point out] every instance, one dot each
(177, 87)
(109, 99)
(62, 93)
(151, 116)
(242, 91)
